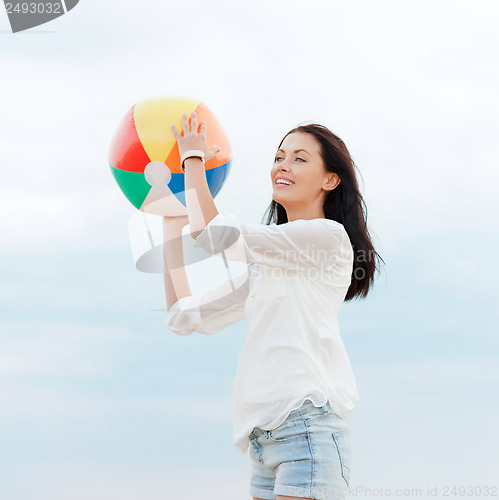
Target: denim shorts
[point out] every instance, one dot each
(308, 456)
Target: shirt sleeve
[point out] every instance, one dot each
(212, 309)
(297, 244)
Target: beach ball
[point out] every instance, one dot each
(144, 157)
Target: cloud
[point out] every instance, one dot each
(219, 481)
(419, 408)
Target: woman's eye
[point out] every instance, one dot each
(277, 157)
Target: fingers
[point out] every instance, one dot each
(193, 129)
(176, 133)
(212, 153)
(194, 122)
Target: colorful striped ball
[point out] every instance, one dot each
(145, 135)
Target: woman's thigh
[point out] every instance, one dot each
(308, 455)
(262, 480)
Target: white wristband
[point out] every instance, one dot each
(189, 154)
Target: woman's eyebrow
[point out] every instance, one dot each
(296, 151)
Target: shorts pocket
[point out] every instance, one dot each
(286, 431)
(342, 443)
(255, 451)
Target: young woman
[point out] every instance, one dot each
(294, 383)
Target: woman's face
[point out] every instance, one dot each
(299, 161)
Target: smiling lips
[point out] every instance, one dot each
(283, 182)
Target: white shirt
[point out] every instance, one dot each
(297, 276)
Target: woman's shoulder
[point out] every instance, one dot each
(320, 222)
(337, 231)
(330, 222)
(319, 231)
(311, 225)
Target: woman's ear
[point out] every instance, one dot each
(332, 181)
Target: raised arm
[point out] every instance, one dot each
(205, 312)
(301, 244)
(201, 208)
(175, 277)
(211, 310)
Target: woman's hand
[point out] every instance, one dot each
(192, 139)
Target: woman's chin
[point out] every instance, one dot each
(277, 196)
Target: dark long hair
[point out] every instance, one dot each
(344, 204)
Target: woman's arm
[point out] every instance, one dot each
(211, 310)
(200, 205)
(208, 311)
(281, 245)
(318, 244)
(175, 277)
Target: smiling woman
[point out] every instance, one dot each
(302, 169)
(322, 183)
(294, 383)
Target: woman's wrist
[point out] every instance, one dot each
(192, 161)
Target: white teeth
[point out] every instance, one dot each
(282, 181)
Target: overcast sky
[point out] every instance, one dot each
(98, 400)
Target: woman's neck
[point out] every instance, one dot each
(310, 214)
